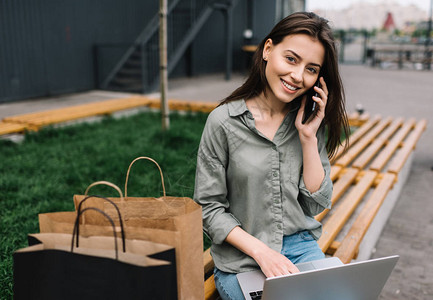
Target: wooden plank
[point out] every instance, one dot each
(384, 156)
(208, 262)
(210, 291)
(367, 139)
(350, 244)
(42, 114)
(343, 212)
(361, 131)
(89, 110)
(377, 145)
(9, 128)
(205, 107)
(357, 120)
(340, 186)
(197, 106)
(364, 118)
(59, 115)
(249, 48)
(356, 135)
(399, 160)
(79, 111)
(334, 247)
(335, 172)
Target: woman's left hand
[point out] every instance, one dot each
(309, 129)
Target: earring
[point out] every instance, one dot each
(265, 58)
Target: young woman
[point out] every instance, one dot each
(263, 173)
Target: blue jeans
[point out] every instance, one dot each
(298, 247)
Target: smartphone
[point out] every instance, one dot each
(310, 104)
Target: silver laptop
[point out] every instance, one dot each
(322, 279)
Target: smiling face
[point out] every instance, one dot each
(292, 67)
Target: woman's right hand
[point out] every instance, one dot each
(271, 262)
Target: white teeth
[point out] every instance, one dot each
(292, 88)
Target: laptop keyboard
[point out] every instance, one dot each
(256, 295)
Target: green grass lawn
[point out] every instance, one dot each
(42, 173)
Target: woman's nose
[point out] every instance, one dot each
(296, 75)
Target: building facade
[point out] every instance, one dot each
(64, 46)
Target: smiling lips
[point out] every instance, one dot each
(289, 87)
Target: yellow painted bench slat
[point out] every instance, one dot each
(399, 160)
(377, 145)
(343, 212)
(367, 139)
(350, 244)
(340, 186)
(33, 121)
(355, 136)
(9, 128)
(384, 156)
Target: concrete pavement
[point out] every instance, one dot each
(405, 93)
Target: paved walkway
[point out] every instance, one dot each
(406, 93)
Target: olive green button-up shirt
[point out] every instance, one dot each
(244, 179)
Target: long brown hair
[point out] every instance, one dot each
(318, 28)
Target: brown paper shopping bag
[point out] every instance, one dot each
(168, 215)
(63, 222)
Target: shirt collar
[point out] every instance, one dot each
(237, 108)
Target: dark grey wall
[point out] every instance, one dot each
(46, 46)
(208, 49)
(264, 18)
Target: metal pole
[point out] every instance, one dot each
(428, 52)
(229, 41)
(163, 64)
(365, 46)
(343, 41)
(144, 79)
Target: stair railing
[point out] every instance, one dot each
(197, 12)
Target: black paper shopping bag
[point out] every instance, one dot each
(54, 268)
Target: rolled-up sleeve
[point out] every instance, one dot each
(315, 203)
(210, 181)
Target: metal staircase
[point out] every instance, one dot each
(138, 69)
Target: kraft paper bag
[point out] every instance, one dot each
(167, 216)
(64, 222)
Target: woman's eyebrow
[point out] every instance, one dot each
(299, 57)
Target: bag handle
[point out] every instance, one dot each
(105, 183)
(122, 230)
(75, 232)
(122, 199)
(129, 169)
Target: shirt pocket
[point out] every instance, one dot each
(291, 165)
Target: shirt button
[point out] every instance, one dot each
(279, 226)
(275, 174)
(274, 148)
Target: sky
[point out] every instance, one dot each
(339, 4)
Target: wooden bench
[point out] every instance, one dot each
(249, 48)
(34, 121)
(363, 177)
(9, 128)
(399, 54)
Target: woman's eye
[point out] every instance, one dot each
(290, 59)
(312, 70)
